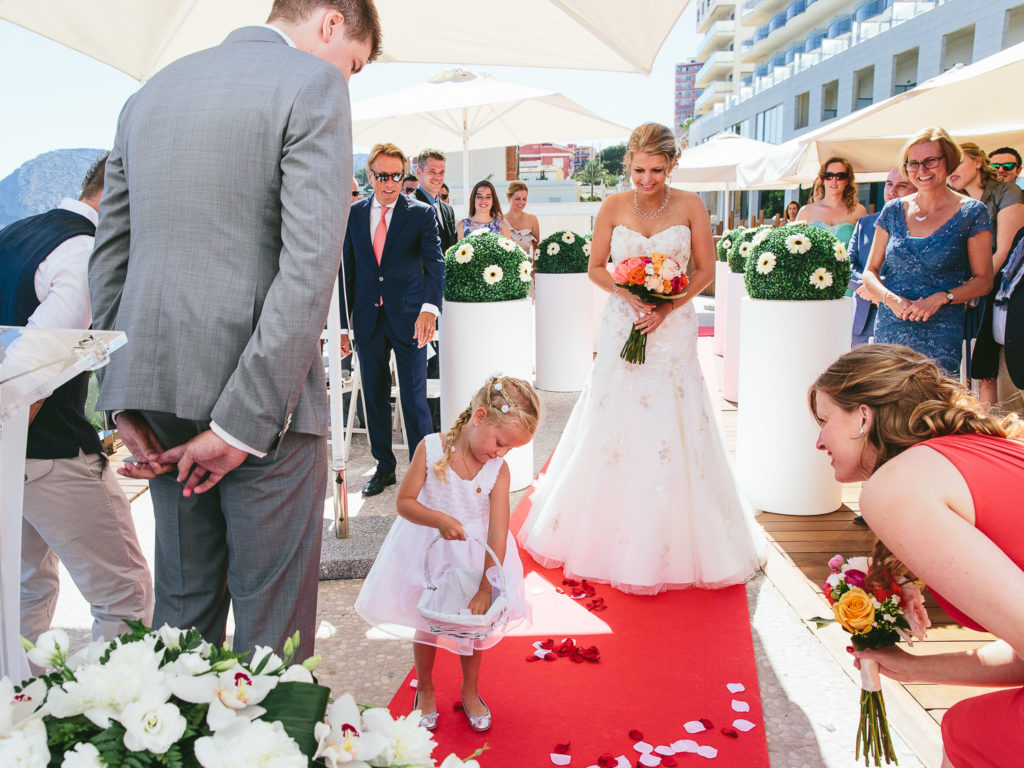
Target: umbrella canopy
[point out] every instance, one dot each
(459, 108)
(140, 37)
(959, 100)
(713, 164)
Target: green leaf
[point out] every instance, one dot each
(298, 707)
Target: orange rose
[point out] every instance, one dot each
(666, 286)
(637, 275)
(855, 611)
(657, 259)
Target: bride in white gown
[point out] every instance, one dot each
(640, 492)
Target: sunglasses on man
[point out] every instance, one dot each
(355, 195)
(444, 197)
(387, 176)
(1004, 166)
(839, 175)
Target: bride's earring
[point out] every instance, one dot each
(861, 430)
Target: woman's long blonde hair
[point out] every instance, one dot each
(506, 399)
(911, 401)
(973, 151)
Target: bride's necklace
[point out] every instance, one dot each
(649, 215)
(470, 472)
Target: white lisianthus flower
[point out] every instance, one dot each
(152, 725)
(50, 650)
(798, 244)
(506, 244)
(744, 249)
(568, 237)
(552, 249)
(84, 755)
(760, 236)
(586, 249)
(464, 254)
(25, 747)
(493, 274)
(407, 743)
(525, 271)
(454, 761)
(297, 673)
(244, 744)
(766, 263)
(840, 251)
(340, 741)
(821, 278)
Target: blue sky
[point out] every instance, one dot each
(55, 97)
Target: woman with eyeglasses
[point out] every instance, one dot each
(836, 207)
(1005, 203)
(936, 248)
(484, 211)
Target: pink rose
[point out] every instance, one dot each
(835, 562)
(854, 577)
(621, 273)
(912, 603)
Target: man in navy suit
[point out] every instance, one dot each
(393, 273)
(860, 248)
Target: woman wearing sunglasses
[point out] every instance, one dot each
(835, 194)
(936, 248)
(1005, 203)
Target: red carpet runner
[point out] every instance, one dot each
(665, 661)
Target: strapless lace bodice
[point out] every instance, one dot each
(673, 241)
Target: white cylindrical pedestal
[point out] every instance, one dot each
(565, 331)
(735, 292)
(721, 291)
(785, 346)
(481, 340)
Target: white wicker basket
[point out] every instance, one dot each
(440, 601)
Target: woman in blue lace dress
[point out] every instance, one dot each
(936, 247)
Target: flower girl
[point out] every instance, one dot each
(457, 487)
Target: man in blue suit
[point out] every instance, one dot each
(393, 273)
(860, 249)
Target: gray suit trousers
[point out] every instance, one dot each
(251, 542)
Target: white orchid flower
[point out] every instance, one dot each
(340, 741)
(234, 693)
(16, 708)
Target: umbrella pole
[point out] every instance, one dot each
(465, 161)
(337, 423)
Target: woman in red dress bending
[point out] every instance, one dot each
(945, 495)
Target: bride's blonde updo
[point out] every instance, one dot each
(653, 139)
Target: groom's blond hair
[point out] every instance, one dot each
(388, 150)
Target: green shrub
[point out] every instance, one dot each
(797, 262)
(741, 246)
(725, 243)
(562, 253)
(486, 267)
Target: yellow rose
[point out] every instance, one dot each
(855, 611)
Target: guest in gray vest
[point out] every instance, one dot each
(219, 241)
(74, 509)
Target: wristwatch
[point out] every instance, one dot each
(949, 297)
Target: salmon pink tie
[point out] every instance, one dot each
(380, 234)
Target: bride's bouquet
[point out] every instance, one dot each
(876, 615)
(653, 278)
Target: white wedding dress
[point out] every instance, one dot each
(640, 492)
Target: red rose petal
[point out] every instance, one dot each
(531, 657)
(669, 761)
(559, 591)
(636, 735)
(570, 582)
(548, 645)
(457, 706)
(730, 732)
(550, 657)
(562, 749)
(707, 723)
(598, 608)
(607, 760)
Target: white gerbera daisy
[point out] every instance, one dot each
(586, 249)
(726, 244)
(840, 251)
(759, 237)
(568, 237)
(553, 249)
(766, 263)
(506, 244)
(524, 271)
(464, 254)
(821, 278)
(494, 273)
(798, 244)
(482, 231)
(744, 249)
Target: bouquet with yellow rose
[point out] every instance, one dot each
(877, 612)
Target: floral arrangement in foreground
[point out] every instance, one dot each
(168, 698)
(725, 243)
(742, 243)
(653, 278)
(484, 267)
(877, 615)
(563, 252)
(797, 262)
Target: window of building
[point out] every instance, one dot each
(768, 125)
(1013, 29)
(863, 87)
(958, 48)
(904, 71)
(802, 110)
(830, 100)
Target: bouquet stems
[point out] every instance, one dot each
(635, 348)
(873, 735)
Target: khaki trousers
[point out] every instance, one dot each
(76, 513)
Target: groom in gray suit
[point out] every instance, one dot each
(220, 235)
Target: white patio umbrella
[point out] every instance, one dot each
(458, 108)
(960, 100)
(712, 166)
(139, 37)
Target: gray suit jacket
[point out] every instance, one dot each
(221, 227)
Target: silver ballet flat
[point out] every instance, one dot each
(428, 720)
(478, 723)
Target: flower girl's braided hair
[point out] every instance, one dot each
(504, 398)
(911, 401)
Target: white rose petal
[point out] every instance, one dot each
(493, 274)
(25, 747)
(245, 743)
(152, 726)
(821, 278)
(84, 755)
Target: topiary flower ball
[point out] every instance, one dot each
(797, 262)
(725, 243)
(742, 243)
(486, 267)
(563, 252)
